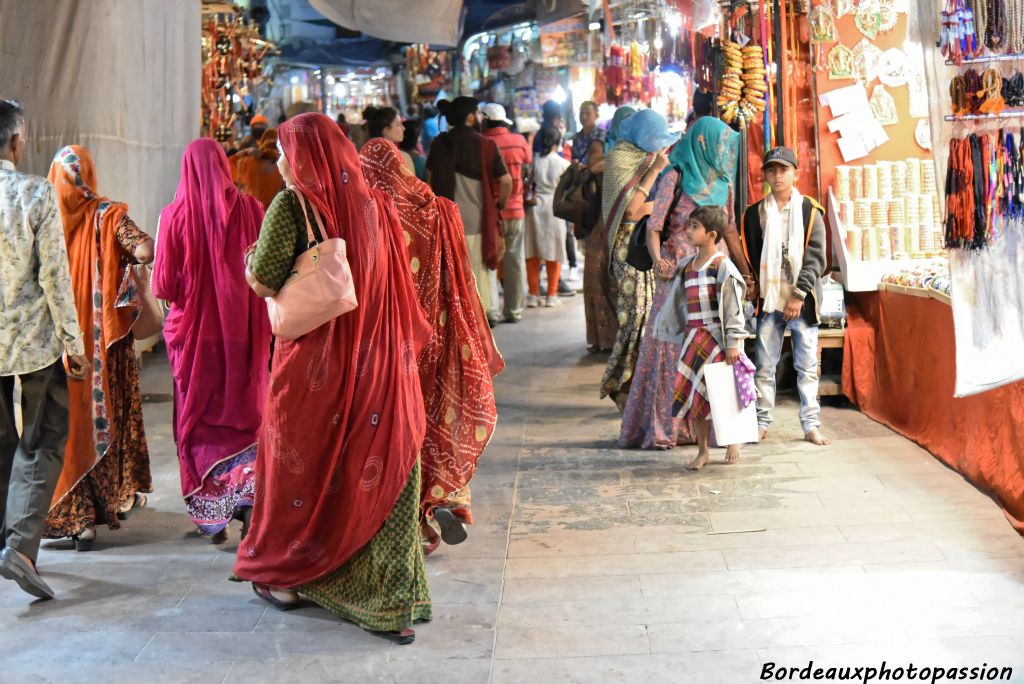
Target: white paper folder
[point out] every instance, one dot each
(733, 425)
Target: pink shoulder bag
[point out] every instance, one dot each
(319, 287)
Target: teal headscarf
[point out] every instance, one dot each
(706, 160)
(615, 132)
(647, 130)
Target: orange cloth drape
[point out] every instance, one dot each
(905, 380)
(255, 170)
(98, 273)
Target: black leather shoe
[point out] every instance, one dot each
(13, 567)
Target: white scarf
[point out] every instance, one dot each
(770, 276)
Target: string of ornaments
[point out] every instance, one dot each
(984, 188)
(970, 27)
(742, 91)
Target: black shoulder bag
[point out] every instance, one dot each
(638, 256)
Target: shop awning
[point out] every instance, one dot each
(432, 21)
(442, 23)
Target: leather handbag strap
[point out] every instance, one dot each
(310, 237)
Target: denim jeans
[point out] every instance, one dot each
(771, 329)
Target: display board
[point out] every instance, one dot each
(120, 77)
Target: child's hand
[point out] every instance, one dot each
(664, 269)
(793, 308)
(732, 356)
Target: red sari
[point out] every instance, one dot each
(460, 360)
(343, 423)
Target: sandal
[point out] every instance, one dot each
(265, 593)
(85, 540)
(403, 638)
(429, 538)
(137, 502)
(452, 530)
(219, 537)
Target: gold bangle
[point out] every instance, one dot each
(640, 188)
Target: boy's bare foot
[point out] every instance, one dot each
(761, 434)
(699, 462)
(732, 454)
(815, 437)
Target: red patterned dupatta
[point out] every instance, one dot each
(460, 360)
(344, 418)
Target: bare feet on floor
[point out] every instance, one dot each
(761, 434)
(699, 462)
(815, 437)
(732, 454)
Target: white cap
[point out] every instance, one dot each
(495, 112)
(527, 124)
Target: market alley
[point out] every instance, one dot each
(586, 563)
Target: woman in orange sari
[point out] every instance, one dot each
(256, 171)
(106, 462)
(460, 360)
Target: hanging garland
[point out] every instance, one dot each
(984, 188)
(743, 87)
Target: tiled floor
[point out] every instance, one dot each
(588, 564)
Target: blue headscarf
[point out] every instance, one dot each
(706, 160)
(615, 131)
(648, 130)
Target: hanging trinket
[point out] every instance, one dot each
(923, 134)
(840, 63)
(866, 57)
(884, 106)
(887, 15)
(823, 24)
(892, 69)
(868, 19)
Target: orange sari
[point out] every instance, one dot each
(255, 170)
(107, 304)
(459, 363)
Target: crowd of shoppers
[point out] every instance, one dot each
(348, 452)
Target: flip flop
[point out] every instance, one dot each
(452, 530)
(403, 638)
(264, 593)
(139, 501)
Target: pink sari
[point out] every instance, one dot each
(217, 335)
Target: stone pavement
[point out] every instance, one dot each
(587, 564)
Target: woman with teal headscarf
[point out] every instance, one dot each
(702, 172)
(631, 169)
(615, 131)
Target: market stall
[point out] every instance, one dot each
(937, 354)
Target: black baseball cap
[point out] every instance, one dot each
(779, 155)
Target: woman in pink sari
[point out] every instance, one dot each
(460, 360)
(217, 335)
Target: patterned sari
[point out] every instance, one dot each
(335, 506)
(458, 364)
(624, 167)
(106, 459)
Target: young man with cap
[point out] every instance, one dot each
(783, 238)
(517, 156)
(467, 168)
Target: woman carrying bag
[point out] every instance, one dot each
(336, 509)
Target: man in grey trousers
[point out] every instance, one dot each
(38, 330)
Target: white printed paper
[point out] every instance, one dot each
(733, 424)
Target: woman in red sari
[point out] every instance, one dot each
(337, 489)
(460, 360)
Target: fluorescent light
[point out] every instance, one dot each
(595, 26)
(559, 95)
